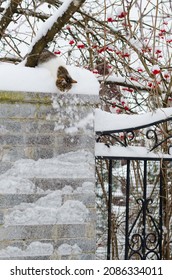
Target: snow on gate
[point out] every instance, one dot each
(133, 167)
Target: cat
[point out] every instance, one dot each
(57, 67)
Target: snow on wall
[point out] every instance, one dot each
(41, 80)
(33, 249)
(44, 249)
(48, 210)
(17, 185)
(66, 249)
(69, 165)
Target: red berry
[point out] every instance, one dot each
(140, 70)
(71, 42)
(80, 45)
(156, 71)
(158, 51)
(95, 71)
(57, 52)
(122, 15)
(126, 108)
(110, 19)
(125, 54)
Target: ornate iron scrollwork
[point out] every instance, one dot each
(144, 239)
(127, 136)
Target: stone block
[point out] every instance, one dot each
(36, 152)
(9, 126)
(68, 143)
(39, 140)
(1, 217)
(13, 153)
(69, 231)
(24, 233)
(17, 111)
(11, 140)
(11, 200)
(57, 183)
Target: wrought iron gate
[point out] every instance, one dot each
(145, 210)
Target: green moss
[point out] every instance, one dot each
(11, 97)
(46, 99)
(24, 97)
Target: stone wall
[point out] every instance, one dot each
(47, 176)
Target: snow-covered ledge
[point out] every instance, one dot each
(107, 123)
(47, 176)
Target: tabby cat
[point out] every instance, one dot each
(58, 70)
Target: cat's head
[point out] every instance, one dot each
(64, 81)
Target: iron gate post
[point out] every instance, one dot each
(127, 210)
(109, 237)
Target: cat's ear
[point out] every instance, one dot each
(73, 81)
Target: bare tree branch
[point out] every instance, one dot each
(22, 11)
(33, 56)
(129, 85)
(6, 18)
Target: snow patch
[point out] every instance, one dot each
(70, 165)
(17, 185)
(34, 249)
(87, 187)
(82, 124)
(72, 212)
(66, 249)
(48, 210)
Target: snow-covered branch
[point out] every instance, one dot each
(50, 28)
(6, 17)
(121, 81)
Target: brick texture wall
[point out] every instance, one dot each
(47, 155)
